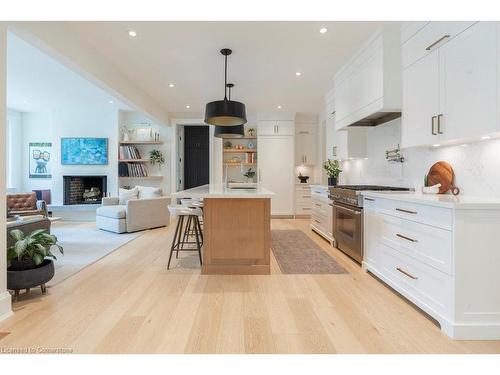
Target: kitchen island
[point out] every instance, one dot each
(236, 228)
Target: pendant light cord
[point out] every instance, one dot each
(225, 77)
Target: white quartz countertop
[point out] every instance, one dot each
(221, 191)
(440, 200)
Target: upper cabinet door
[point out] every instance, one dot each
(468, 83)
(421, 102)
(271, 127)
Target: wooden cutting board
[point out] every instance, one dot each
(441, 173)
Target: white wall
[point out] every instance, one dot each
(14, 150)
(476, 165)
(5, 298)
(76, 120)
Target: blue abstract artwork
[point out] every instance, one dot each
(84, 151)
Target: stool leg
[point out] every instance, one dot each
(174, 240)
(198, 245)
(185, 237)
(199, 229)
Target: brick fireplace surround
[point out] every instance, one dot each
(74, 187)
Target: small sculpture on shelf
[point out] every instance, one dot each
(228, 144)
(251, 132)
(303, 179)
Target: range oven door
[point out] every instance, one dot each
(348, 230)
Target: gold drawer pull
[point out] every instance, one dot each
(317, 221)
(370, 199)
(406, 211)
(406, 238)
(316, 204)
(306, 208)
(406, 273)
(306, 196)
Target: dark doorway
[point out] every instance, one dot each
(196, 156)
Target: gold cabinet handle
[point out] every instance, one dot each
(406, 238)
(406, 211)
(439, 123)
(437, 42)
(369, 199)
(406, 273)
(306, 196)
(433, 125)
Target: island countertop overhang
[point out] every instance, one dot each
(221, 191)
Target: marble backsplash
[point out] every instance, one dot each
(476, 165)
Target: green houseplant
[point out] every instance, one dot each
(29, 260)
(333, 171)
(250, 174)
(156, 158)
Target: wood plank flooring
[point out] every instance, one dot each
(129, 303)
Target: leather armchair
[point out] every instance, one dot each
(24, 204)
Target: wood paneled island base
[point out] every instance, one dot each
(237, 236)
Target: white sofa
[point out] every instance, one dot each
(134, 215)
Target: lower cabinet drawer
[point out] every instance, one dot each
(430, 245)
(319, 222)
(423, 284)
(302, 209)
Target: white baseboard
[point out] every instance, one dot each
(5, 305)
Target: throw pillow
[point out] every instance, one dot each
(125, 195)
(149, 192)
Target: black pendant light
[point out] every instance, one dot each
(225, 112)
(236, 131)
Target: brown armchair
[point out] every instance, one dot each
(24, 204)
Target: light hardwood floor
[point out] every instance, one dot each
(129, 303)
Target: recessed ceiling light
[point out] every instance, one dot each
(132, 33)
(298, 74)
(464, 145)
(171, 85)
(25, 101)
(323, 30)
(486, 137)
(111, 102)
(188, 106)
(279, 107)
(436, 145)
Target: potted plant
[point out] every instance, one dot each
(29, 260)
(250, 174)
(333, 170)
(156, 158)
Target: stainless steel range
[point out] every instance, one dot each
(348, 216)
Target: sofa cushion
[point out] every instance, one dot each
(114, 212)
(149, 192)
(125, 195)
(21, 201)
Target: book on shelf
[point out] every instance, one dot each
(250, 158)
(132, 170)
(129, 152)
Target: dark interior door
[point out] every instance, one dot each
(196, 156)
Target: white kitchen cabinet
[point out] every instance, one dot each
(450, 94)
(421, 102)
(468, 91)
(368, 86)
(321, 212)
(303, 200)
(349, 144)
(441, 254)
(305, 144)
(278, 127)
(276, 171)
(429, 38)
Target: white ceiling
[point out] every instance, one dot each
(265, 57)
(38, 83)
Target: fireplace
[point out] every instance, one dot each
(84, 189)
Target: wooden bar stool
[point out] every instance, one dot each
(188, 217)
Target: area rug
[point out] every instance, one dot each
(83, 245)
(296, 253)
